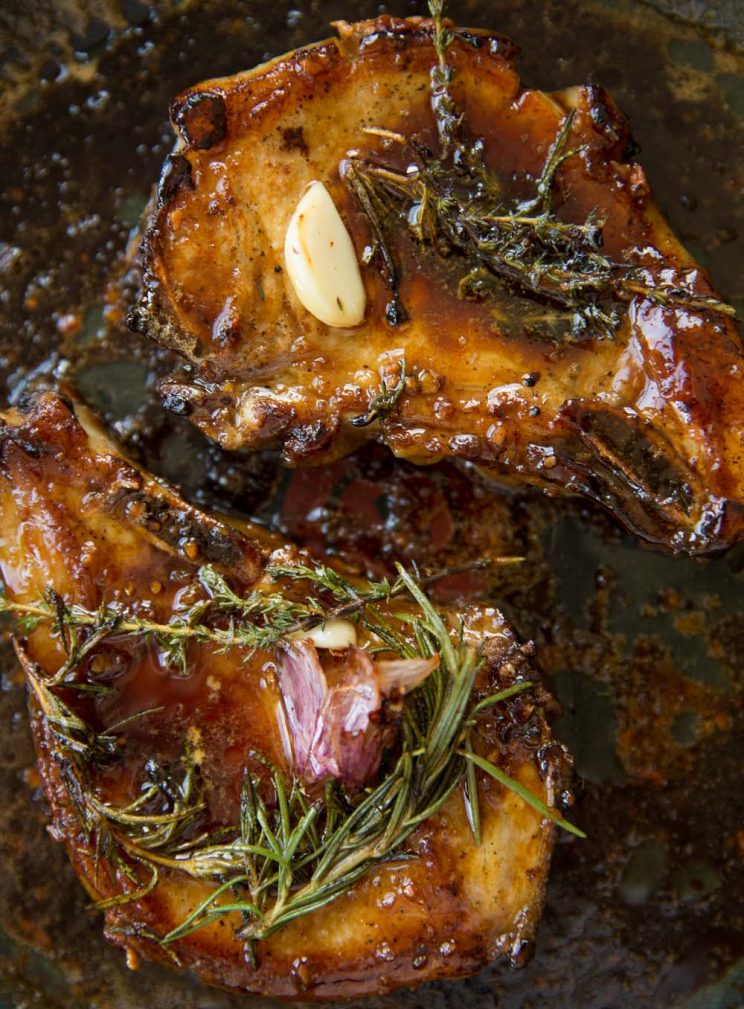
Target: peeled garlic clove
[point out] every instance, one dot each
(321, 261)
(331, 634)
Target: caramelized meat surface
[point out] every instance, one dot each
(643, 419)
(78, 518)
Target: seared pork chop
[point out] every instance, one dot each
(527, 307)
(220, 725)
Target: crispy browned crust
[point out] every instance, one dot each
(645, 423)
(75, 514)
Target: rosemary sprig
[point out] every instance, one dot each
(290, 853)
(453, 203)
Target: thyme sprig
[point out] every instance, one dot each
(256, 621)
(453, 203)
(291, 852)
(260, 620)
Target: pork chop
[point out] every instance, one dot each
(250, 784)
(528, 309)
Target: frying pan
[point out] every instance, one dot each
(645, 652)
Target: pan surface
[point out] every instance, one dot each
(645, 652)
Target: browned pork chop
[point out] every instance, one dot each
(158, 765)
(520, 374)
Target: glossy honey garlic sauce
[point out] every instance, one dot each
(644, 651)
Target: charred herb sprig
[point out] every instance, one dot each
(289, 854)
(453, 203)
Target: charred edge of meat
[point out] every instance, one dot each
(498, 45)
(400, 33)
(148, 316)
(175, 176)
(201, 119)
(611, 122)
(640, 454)
(212, 543)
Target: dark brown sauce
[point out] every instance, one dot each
(211, 712)
(645, 652)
